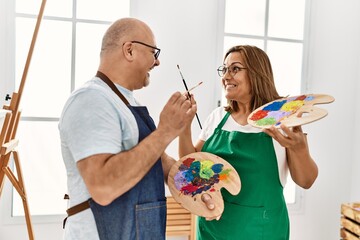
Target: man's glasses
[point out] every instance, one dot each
(157, 50)
(232, 69)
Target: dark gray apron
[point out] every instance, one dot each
(140, 213)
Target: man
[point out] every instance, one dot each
(113, 153)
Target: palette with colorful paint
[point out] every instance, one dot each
(199, 173)
(287, 111)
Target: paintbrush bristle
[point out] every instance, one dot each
(195, 86)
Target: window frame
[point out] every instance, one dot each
(7, 71)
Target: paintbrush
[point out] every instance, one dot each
(186, 88)
(195, 86)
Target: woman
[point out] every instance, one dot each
(259, 210)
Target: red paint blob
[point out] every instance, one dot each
(302, 97)
(188, 162)
(259, 115)
(189, 188)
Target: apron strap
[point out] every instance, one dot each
(76, 209)
(223, 121)
(105, 78)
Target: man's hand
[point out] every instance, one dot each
(178, 112)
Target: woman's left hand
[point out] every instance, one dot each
(302, 167)
(289, 137)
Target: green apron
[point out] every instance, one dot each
(259, 211)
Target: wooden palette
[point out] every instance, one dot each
(199, 173)
(286, 110)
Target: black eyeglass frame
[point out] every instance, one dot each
(221, 69)
(157, 52)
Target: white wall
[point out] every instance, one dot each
(186, 32)
(333, 69)
(355, 192)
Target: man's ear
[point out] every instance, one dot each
(128, 51)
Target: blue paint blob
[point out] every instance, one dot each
(275, 106)
(217, 168)
(188, 176)
(309, 98)
(195, 166)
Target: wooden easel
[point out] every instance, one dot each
(8, 142)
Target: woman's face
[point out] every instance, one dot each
(236, 81)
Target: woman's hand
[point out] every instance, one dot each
(291, 138)
(209, 202)
(303, 168)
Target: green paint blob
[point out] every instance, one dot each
(206, 173)
(266, 121)
(206, 164)
(225, 171)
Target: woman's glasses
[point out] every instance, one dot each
(232, 70)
